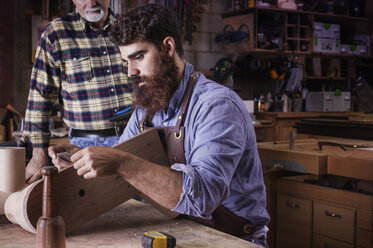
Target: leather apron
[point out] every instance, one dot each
(173, 142)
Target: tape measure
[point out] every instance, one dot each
(154, 239)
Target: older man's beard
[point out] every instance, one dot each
(156, 94)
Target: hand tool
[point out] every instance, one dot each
(10, 108)
(154, 239)
(50, 227)
(343, 146)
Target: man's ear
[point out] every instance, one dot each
(169, 43)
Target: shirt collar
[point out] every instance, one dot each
(177, 98)
(87, 25)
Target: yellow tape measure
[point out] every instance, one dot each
(154, 239)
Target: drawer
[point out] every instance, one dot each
(334, 221)
(320, 241)
(364, 239)
(294, 221)
(364, 220)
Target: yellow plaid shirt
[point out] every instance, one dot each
(82, 68)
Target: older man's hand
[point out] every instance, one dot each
(61, 155)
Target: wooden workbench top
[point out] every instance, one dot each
(306, 157)
(123, 227)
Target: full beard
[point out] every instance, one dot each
(156, 94)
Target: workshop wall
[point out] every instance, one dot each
(6, 53)
(203, 53)
(22, 53)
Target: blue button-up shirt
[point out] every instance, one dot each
(223, 165)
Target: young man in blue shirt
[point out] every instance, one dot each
(215, 176)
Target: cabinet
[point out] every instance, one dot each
(293, 202)
(339, 218)
(294, 219)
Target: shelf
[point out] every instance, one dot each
(268, 51)
(299, 39)
(319, 16)
(340, 55)
(323, 78)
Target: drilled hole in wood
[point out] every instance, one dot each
(81, 192)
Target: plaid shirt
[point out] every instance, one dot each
(82, 68)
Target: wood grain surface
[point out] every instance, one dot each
(123, 227)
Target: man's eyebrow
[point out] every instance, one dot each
(136, 53)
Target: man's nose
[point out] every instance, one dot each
(132, 70)
(91, 3)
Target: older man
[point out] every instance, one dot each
(77, 63)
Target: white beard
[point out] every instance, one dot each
(96, 17)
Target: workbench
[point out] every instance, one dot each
(319, 197)
(123, 227)
(278, 125)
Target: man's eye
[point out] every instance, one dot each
(139, 57)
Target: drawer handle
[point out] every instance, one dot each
(339, 215)
(292, 204)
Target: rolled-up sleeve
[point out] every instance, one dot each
(214, 143)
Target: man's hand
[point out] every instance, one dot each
(38, 160)
(61, 155)
(93, 161)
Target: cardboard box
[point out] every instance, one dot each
(326, 45)
(354, 49)
(327, 101)
(326, 30)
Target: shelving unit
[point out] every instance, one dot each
(295, 36)
(301, 22)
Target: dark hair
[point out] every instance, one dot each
(148, 22)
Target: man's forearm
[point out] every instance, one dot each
(160, 183)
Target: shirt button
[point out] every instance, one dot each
(104, 52)
(74, 58)
(115, 110)
(108, 71)
(112, 89)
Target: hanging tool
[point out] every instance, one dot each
(50, 227)
(154, 239)
(10, 108)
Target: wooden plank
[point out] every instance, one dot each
(81, 200)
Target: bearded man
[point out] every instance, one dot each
(78, 64)
(215, 176)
